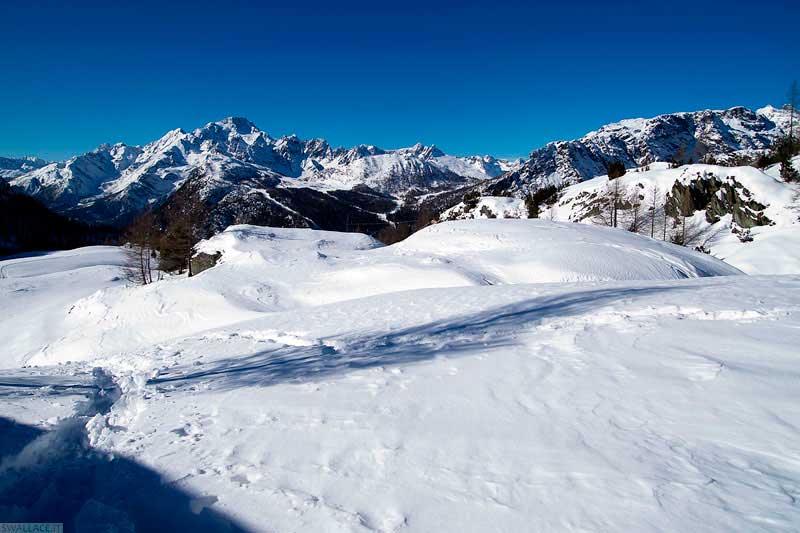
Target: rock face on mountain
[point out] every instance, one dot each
(686, 137)
(233, 158)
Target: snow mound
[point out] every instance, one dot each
(268, 270)
(299, 383)
(538, 251)
(37, 292)
(246, 240)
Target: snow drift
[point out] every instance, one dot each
(263, 270)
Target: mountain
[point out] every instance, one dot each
(232, 159)
(12, 167)
(246, 176)
(723, 135)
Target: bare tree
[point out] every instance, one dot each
(697, 235)
(654, 201)
(634, 202)
(552, 214)
(142, 240)
(609, 204)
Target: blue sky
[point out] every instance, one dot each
(472, 77)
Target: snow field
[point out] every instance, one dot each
(493, 375)
(266, 270)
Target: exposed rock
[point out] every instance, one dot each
(203, 261)
(718, 197)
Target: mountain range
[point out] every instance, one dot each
(232, 157)
(247, 176)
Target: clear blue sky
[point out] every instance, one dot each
(473, 77)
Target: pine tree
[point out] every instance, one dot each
(788, 172)
(615, 169)
(532, 206)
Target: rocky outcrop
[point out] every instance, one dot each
(203, 261)
(718, 197)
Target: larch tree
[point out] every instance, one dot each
(634, 203)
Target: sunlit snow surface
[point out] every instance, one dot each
(496, 375)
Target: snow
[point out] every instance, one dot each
(775, 248)
(273, 269)
(37, 292)
(725, 134)
(488, 207)
(773, 251)
(482, 375)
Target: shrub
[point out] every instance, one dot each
(471, 200)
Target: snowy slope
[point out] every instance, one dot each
(37, 292)
(487, 207)
(272, 269)
(775, 247)
(312, 391)
(572, 408)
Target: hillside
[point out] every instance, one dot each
(747, 217)
(26, 225)
(482, 375)
(11, 167)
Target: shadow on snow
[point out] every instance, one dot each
(473, 333)
(54, 476)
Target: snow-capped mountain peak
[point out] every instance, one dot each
(425, 152)
(691, 136)
(114, 182)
